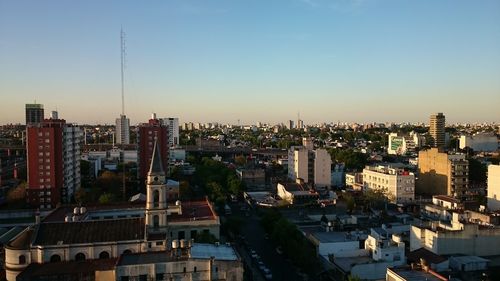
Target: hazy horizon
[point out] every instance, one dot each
(222, 61)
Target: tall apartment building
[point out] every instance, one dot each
(311, 165)
(437, 130)
(122, 131)
(399, 184)
(173, 130)
(494, 187)
(34, 113)
(441, 173)
(147, 133)
(53, 149)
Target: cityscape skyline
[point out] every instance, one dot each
(347, 61)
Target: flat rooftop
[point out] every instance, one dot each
(415, 275)
(220, 252)
(333, 236)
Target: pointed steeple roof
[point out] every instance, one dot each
(156, 166)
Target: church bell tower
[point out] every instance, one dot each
(156, 202)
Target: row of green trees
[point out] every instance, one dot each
(291, 240)
(218, 181)
(353, 160)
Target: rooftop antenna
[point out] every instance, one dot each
(122, 49)
(122, 152)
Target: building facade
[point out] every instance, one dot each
(403, 144)
(487, 142)
(494, 187)
(437, 130)
(398, 183)
(441, 173)
(122, 131)
(34, 113)
(53, 150)
(173, 131)
(311, 165)
(147, 133)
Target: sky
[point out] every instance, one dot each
(252, 60)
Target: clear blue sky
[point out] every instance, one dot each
(208, 60)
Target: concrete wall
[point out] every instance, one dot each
(433, 170)
(494, 187)
(340, 249)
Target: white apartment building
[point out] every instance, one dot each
(311, 165)
(456, 238)
(122, 131)
(494, 187)
(402, 144)
(72, 137)
(173, 130)
(480, 142)
(377, 255)
(399, 184)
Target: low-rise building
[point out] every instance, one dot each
(457, 237)
(381, 254)
(254, 179)
(487, 142)
(297, 193)
(398, 184)
(354, 180)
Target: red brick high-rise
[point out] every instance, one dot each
(53, 152)
(145, 143)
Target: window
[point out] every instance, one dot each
(22, 259)
(159, 243)
(181, 235)
(80, 257)
(156, 198)
(104, 255)
(194, 269)
(127, 251)
(156, 221)
(55, 258)
(184, 270)
(125, 278)
(193, 234)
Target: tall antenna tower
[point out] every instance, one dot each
(122, 47)
(122, 152)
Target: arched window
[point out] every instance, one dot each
(156, 198)
(80, 257)
(22, 259)
(127, 251)
(156, 221)
(55, 258)
(104, 255)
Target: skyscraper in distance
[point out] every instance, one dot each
(437, 130)
(122, 130)
(34, 113)
(173, 130)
